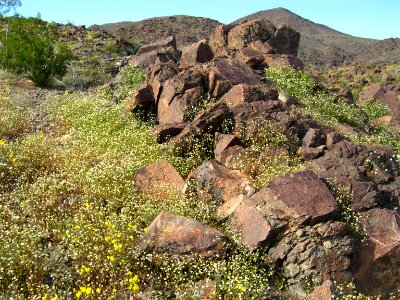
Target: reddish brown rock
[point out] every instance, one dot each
(230, 156)
(367, 170)
(197, 53)
(142, 99)
(220, 37)
(144, 60)
(309, 153)
(322, 292)
(225, 73)
(157, 177)
(148, 59)
(377, 265)
(314, 138)
(273, 60)
(222, 142)
(242, 93)
(374, 91)
(333, 138)
(300, 198)
(285, 40)
(300, 194)
(263, 48)
(255, 231)
(165, 43)
(179, 109)
(250, 31)
(158, 74)
(391, 100)
(251, 58)
(185, 89)
(221, 183)
(177, 235)
(164, 132)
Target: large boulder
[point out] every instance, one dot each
(222, 142)
(301, 198)
(377, 266)
(179, 93)
(157, 178)
(224, 73)
(158, 74)
(196, 53)
(368, 171)
(148, 59)
(392, 101)
(176, 235)
(221, 183)
(243, 92)
(313, 254)
(374, 91)
(220, 37)
(161, 44)
(250, 31)
(285, 40)
(163, 132)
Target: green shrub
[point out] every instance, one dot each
(30, 47)
(374, 109)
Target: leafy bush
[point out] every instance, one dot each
(30, 47)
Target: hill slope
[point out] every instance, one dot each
(321, 45)
(186, 29)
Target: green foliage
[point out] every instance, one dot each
(130, 78)
(374, 110)
(344, 199)
(16, 115)
(269, 154)
(30, 47)
(135, 47)
(112, 48)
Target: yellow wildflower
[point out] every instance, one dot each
(54, 298)
(111, 258)
(45, 297)
(98, 290)
(78, 294)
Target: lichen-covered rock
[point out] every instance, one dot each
(176, 235)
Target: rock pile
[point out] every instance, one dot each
(294, 220)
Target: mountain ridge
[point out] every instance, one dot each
(320, 45)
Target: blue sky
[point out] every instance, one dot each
(366, 18)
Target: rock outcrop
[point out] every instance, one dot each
(295, 220)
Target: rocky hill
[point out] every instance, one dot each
(319, 44)
(210, 172)
(186, 29)
(324, 219)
